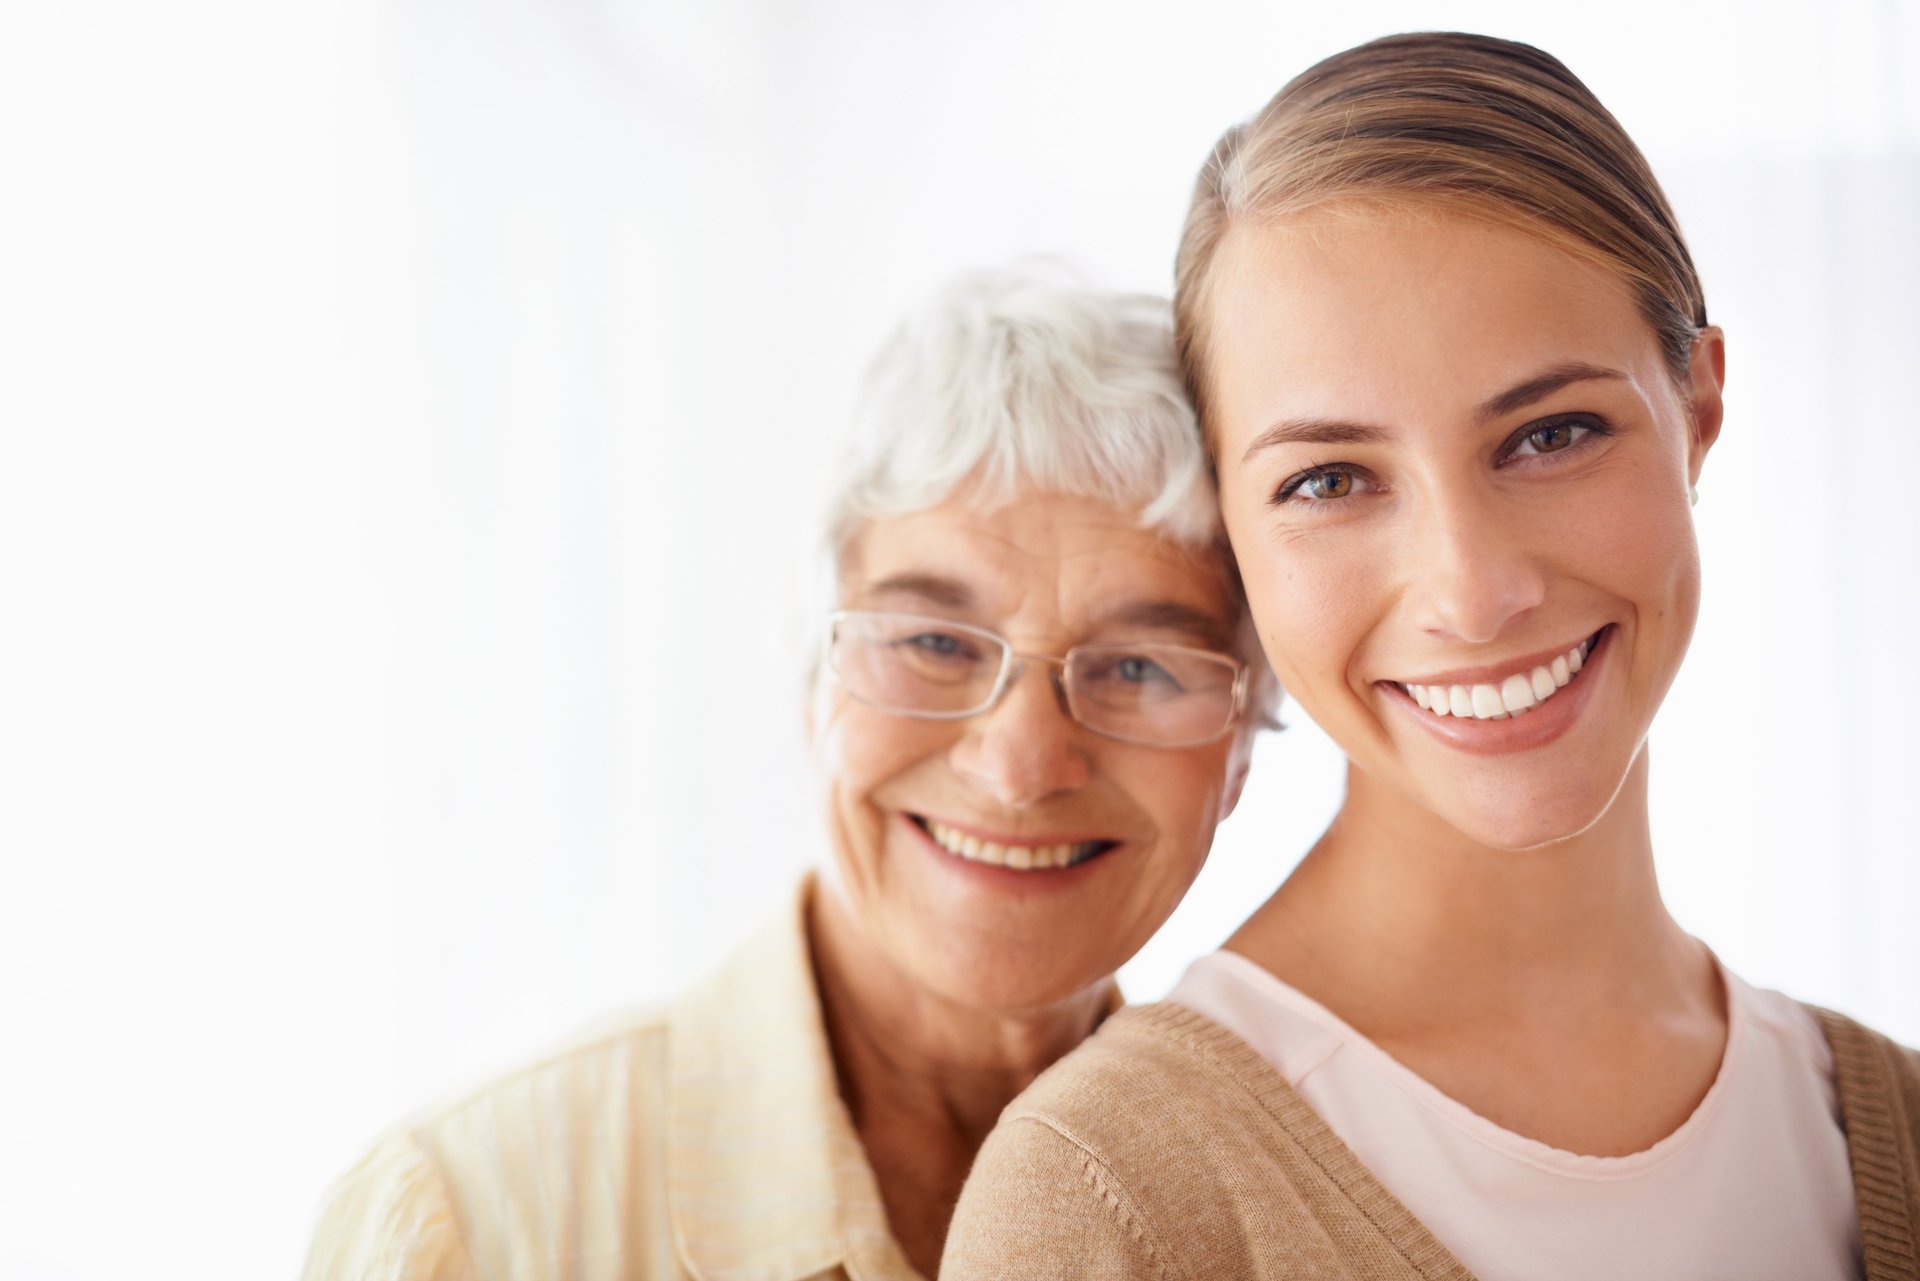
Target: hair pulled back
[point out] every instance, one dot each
(1444, 118)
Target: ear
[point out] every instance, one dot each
(1239, 761)
(1709, 376)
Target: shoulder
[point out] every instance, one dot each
(576, 1133)
(1128, 1158)
(563, 1166)
(1040, 1203)
(1156, 1069)
(1878, 1084)
(389, 1216)
(1149, 1051)
(1871, 1067)
(585, 1101)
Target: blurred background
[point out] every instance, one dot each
(409, 415)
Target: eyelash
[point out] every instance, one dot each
(1590, 426)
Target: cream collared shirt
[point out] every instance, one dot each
(706, 1141)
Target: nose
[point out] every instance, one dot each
(1475, 567)
(1025, 748)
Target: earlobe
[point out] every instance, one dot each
(1239, 762)
(1709, 377)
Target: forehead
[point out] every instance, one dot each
(1045, 560)
(1397, 315)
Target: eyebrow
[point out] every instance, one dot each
(1174, 616)
(1538, 388)
(1337, 431)
(935, 589)
(1149, 615)
(1314, 431)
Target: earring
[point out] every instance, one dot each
(1693, 496)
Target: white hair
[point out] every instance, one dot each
(1028, 377)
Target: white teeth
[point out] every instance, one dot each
(1486, 702)
(1019, 857)
(1517, 695)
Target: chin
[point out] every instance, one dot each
(1519, 838)
(1517, 819)
(1004, 985)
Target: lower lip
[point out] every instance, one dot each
(1537, 728)
(992, 875)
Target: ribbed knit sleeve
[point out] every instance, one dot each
(1038, 1205)
(1879, 1087)
(389, 1219)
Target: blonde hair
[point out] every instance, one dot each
(1449, 119)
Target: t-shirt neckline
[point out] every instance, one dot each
(1487, 1133)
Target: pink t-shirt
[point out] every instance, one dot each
(1754, 1185)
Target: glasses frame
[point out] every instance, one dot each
(1013, 665)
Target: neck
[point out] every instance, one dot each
(925, 1077)
(1411, 924)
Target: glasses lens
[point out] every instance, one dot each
(907, 663)
(1152, 693)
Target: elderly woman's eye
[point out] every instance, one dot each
(1137, 670)
(939, 645)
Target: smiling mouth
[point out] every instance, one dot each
(1512, 696)
(1021, 858)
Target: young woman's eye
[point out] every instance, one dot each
(1555, 435)
(1325, 484)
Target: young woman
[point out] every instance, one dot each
(1453, 361)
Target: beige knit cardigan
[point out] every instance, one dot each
(1167, 1148)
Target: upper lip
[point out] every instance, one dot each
(1490, 673)
(1005, 839)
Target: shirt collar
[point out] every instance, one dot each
(767, 1178)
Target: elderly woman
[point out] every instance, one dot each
(1035, 706)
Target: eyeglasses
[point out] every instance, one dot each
(936, 669)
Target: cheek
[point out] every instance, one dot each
(1310, 596)
(1181, 794)
(1635, 537)
(859, 751)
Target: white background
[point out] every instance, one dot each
(408, 414)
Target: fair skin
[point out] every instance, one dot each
(1450, 451)
(949, 983)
